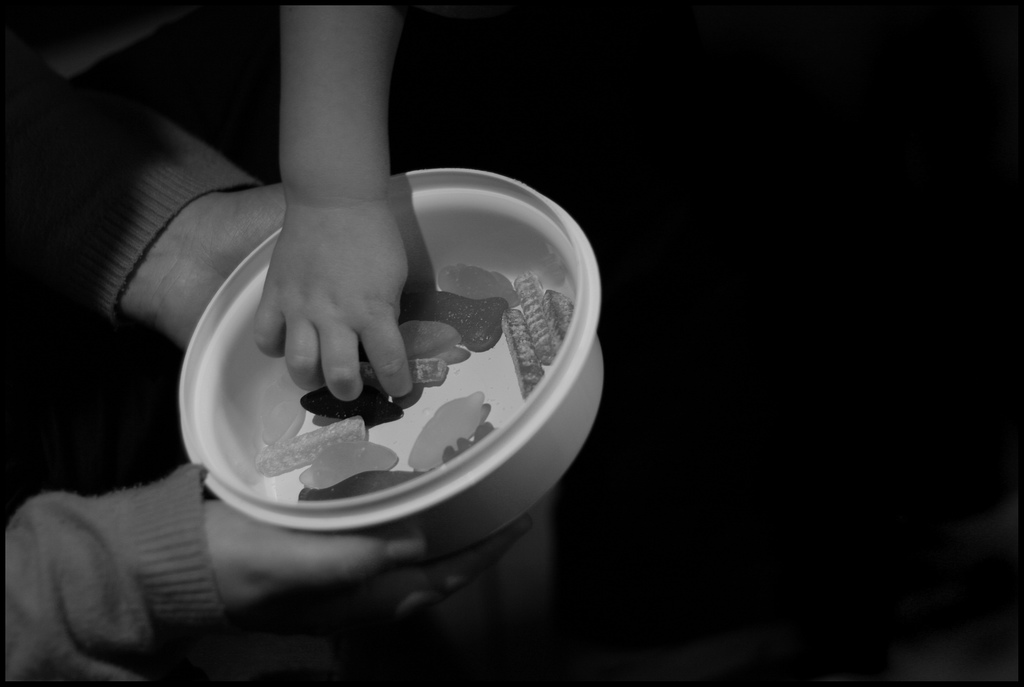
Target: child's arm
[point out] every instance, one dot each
(339, 265)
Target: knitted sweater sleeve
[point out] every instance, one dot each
(101, 588)
(91, 180)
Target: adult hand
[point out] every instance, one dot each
(195, 254)
(283, 581)
(334, 281)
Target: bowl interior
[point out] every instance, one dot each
(448, 217)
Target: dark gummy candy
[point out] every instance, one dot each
(477, 320)
(476, 282)
(463, 445)
(357, 485)
(372, 405)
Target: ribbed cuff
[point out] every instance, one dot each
(173, 173)
(166, 531)
(107, 263)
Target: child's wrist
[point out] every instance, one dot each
(337, 198)
(335, 188)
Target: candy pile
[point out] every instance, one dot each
(439, 328)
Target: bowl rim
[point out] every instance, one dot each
(434, 487)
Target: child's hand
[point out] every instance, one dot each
(335, 279)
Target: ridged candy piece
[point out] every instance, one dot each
(340, 461)
(456, 419)
(520, 346)
(285, 456)
(423, 371)
(372, 405)
(478, 321)
(558, 310)
(531, 296)
(357, 485)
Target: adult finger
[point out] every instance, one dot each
(332, 562)
(275, 579)
(403, 590)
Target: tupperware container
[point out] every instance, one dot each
(447, 217)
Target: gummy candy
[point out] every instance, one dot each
(285, 456)
(423, 371)
(528, 369)
(342, 460)
(357, 485)
(283, 421)
(478, 321)
(463, 445)
(531, 293)
(455, 419)
(558, 310)
(410, 398)
(281, 416)
(476, 282)
(372, 405)
(454, 355)
(323, 421)
(427, 339)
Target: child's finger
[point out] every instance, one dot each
(386, 351)
(302, 354)
(339, 351)
(269, 329)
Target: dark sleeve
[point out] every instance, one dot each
(91, 180)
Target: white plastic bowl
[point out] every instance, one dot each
(447, 216)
